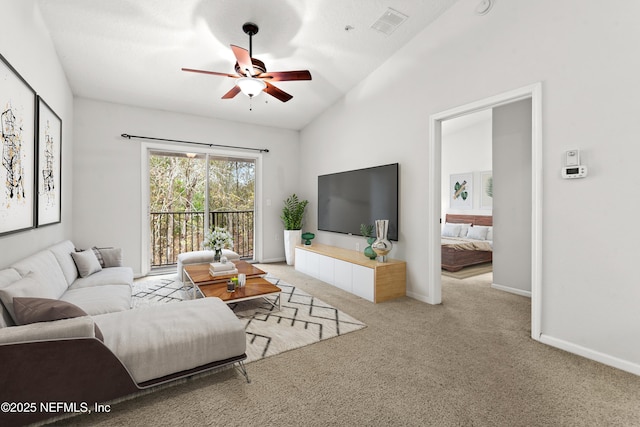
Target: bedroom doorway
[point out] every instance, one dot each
(532, 92)
(466, 171)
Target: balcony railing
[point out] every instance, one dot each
(173, 233)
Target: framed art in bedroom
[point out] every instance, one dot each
(486, 192)
(460, 191)
(49, 172)
(17, 117)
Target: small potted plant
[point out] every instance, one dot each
(292, 214)
(367, 231)
(217, 240)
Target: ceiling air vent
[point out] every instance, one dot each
(389, 21)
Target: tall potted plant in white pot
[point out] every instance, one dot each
(292, 214)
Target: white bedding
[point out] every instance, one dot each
(461, 243)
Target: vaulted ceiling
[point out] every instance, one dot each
(132, 51)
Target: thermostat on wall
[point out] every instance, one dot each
(572, 167)
(569, 172)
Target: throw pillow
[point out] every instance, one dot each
(86, 262)
(32, 285)
(34, 310)
(111, 257)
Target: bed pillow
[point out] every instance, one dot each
(489, 230)
(87, 263)
(477, 233)
(464, 228)
(34, 310)
(451, 230)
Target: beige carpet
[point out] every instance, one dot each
(471, 271)
(467, 362)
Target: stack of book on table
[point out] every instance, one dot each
(222, 269)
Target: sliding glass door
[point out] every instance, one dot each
(190, 193)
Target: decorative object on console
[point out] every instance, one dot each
(292, 215)
(49, 171)
(382, 246)
(367, 231)
(308, 237)
(17, 196)
(217, 240)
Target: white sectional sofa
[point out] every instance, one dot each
(104, 349)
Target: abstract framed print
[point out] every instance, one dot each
(17, 172)
(49, 172)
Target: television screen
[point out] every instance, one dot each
(348, 199)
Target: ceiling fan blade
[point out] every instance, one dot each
(243, 58)
(215, 73)
(277, 93)
(233, 92)
(281, 76)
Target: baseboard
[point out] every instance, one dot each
(512, 290)
(419, 297)
(271, 260)
(588, 353)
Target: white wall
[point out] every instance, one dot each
(26, 45)
(107, 202)
(466, 148)
(512, 196)
(582, 52)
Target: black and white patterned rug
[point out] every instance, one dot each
(302, 320)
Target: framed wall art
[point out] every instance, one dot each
(49, 171)
(460, 191)
(486, 195)
(17, 171)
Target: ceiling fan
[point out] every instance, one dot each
(252, 75)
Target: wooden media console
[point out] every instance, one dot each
(353, 272)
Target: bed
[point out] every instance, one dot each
(459, 252)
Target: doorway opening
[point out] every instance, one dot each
(533, 92)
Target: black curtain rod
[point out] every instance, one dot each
(261, 150)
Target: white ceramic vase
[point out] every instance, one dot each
(291, 239)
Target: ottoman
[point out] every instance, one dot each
(201, 257)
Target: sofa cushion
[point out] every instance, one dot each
(7, 277)
(62, 251)
(32, 285)
(100, 299)
(86, 262)
(46, 264)
(78, 327)
(107, 276)
(170, 338)
(35, 310)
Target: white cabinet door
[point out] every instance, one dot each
(363, 282)
(325, 268)
(301, 263)
(342, 275)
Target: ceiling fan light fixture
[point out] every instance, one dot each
(250, 86)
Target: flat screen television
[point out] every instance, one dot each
(348, 199)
